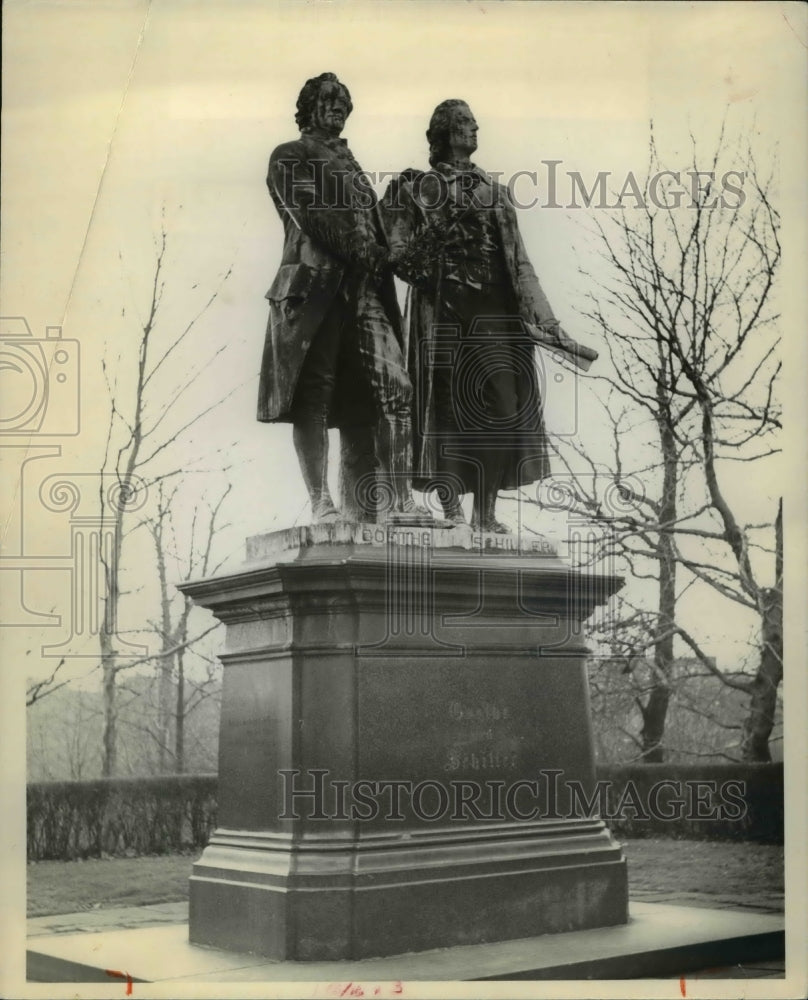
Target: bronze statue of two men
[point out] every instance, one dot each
(451, 404)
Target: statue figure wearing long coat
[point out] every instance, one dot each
(476, 311)
(333, 354)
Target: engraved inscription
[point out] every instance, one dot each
(512, 543)
(480, 748)
(480, 760)
(397, 536)
(485, 711)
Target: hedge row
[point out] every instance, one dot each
(135, 816)
(707, 801)
(120, 816)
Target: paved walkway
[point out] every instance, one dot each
(127, 917)
(113, 918)
(768, 902)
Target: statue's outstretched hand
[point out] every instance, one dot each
(554, 337)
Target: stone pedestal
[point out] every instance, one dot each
(404, 720)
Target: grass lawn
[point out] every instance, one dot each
(71, 886)
(712, 867)
(720, 868)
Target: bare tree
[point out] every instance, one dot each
(146, 426)
(179, 694)
(686, 307)
(62, 737)
(37, 690)
(706, 714)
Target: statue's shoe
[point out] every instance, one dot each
(411, 513)
(493, 525)
(324, 512)
(455, 517)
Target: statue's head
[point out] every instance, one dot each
(452, 131)
(324, 104)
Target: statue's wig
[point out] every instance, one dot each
(307, 99)
(440, 126)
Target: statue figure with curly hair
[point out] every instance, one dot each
(333, 355)
(476, 311)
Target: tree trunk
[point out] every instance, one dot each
(758, 724)
(106, 640)
(165, 683)
(109, 759)
(757, 727)
(108, 633)
(179, 731)
(653, 723)
(656, 709)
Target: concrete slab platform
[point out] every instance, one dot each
(108, 918)
(658, 941)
